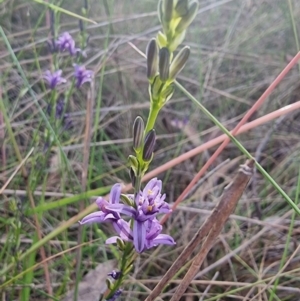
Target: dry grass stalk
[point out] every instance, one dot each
(210, 229)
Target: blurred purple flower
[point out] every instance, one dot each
(54, 79)
(82, 75)
(115, 274)
(60, 104)
(117, 293)
(66, 42)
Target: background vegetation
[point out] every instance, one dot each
(238, 47)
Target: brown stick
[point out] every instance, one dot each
(211, 228)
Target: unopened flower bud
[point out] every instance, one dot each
(127, 200)
(109, 284)
(188, 18)
(160, 10)
(115, 274)
(120, 243)
(178, 39)
(179, 62)
(149, 145)
(155, 88)
(133, 162)
(164, 62)
(152, 56)
(132, 177)
(167, 93)
(182, 7)
(138, 133)
(167, 10)
(161, 39)
(128, 270)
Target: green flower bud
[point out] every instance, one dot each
(160, 10)
(109, 284)
(182, 7)
(133, 163)
(149, 145)
(178, 39)
(128, 201)
(179, 62)
(132, 177)
(188, 18)
(120, 243)
(151, 53)
(155, 88)
(167, 93)
(161, 39)
(128, 269)
(167, 10)
(164, 63)
(138, 133)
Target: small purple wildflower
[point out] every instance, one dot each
(54, 79)
(82, 75)
(117, 293)
(59, 108)
(66, 42)
(146, 230)
(115, 274)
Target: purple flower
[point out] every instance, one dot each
(149, 203)
(143, 230)
(82, 75)
(54, 79)
(150, 239)
(66, 42)
(115, 274)
(105, 215)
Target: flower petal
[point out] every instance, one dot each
(114, 196)
(139, 236)
(95, 217)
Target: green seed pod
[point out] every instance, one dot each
(179, 62)
(164, 64)
(188, 18)
(182, 7)
(138, 133)
(149, 145)
(151, 53)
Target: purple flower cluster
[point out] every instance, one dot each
(65, 42)
(144, 230)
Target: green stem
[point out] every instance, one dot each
(153, 112)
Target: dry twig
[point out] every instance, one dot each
(210, 229)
